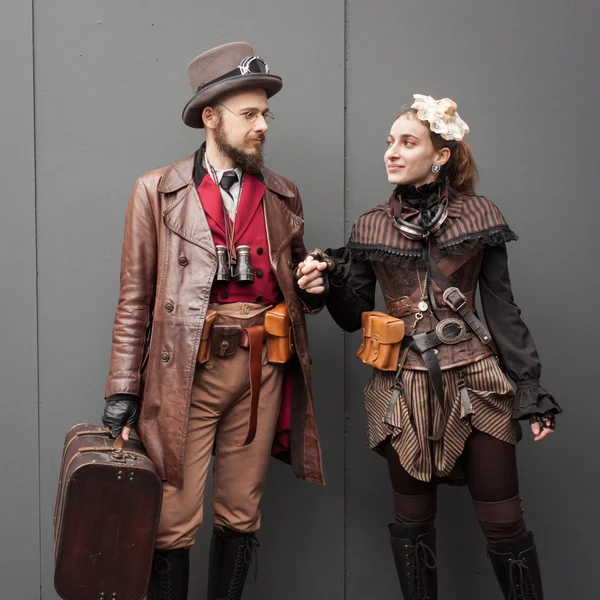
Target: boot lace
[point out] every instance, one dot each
(420, 559)
(521, 587)
(246, 551)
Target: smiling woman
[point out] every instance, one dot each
(444, 409)
(417, 155)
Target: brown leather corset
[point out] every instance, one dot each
(402, 294)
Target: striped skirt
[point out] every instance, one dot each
(491, 397)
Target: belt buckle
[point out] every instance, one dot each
(450, 301)
(462, 334)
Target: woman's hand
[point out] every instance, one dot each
(542, 425)
(310, 276)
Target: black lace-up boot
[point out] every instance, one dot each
(413, 545)
(170, 575)
(231, 553)
(517, 568)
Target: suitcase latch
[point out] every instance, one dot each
(120, 456)
(117, 456)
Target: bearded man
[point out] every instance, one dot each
(210, 348)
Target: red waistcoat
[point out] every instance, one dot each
(249, 230)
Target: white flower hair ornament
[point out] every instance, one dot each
(441, 116)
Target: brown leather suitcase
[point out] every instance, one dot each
(106, 517)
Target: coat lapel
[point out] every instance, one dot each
(281, 223)
(184, 214)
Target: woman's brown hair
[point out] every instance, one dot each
(460, 170)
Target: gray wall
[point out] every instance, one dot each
(19, 444)
(109, 87)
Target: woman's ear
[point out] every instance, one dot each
(442, 156)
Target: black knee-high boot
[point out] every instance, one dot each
(414, 548)
(231, 553)
(517, 568)
(170, 575)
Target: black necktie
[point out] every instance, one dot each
(227, 181)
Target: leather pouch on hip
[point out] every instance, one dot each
(225, 339)
(280, 342)
(381, 340)
(204, 351)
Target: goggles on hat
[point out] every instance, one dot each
(251, 65)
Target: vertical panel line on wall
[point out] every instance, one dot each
(345, 337)
(37, 304)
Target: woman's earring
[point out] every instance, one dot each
(436, 168)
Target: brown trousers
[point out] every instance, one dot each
(219, 417)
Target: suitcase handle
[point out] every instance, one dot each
(117, 453)
(118, 445)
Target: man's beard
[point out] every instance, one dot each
(248, 163)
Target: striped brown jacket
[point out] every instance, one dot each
(473, 222)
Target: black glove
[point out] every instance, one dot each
(545, 421)
(121, 411)
(321, 256)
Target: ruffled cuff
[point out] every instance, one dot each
(343, 263)
(532, 398)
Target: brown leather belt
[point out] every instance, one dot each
(253, 338)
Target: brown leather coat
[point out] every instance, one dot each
(168, 265)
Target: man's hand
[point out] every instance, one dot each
(121, 414)
(310, 276)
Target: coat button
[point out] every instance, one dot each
(209, 366)
(183, 261)
(225, 295)
(291, 264)
(169, 307)
(164, 356)
(259, 273)
(259, 250)
(259, 298)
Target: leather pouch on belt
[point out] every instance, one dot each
(225, 339)
(381, 340)
(204, 351)
(278, 327)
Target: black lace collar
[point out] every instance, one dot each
(424, 196)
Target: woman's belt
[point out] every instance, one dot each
(447, 331)
(457, 301)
